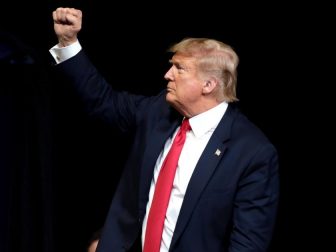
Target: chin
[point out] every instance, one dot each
(169, 98)
(173, 103)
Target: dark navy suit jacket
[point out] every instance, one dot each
(231, 200)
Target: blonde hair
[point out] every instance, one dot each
(213, 58)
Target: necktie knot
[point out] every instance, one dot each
(185, 125)
(181, 135)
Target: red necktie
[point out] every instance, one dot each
(164, 184)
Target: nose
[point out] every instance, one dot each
(169, 76)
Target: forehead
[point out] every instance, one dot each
(183, 60)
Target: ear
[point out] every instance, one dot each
(209, 85)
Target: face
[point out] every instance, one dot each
(184, 89)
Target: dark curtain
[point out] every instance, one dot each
(58, 168)
(25, 150)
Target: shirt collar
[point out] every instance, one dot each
(208, 120)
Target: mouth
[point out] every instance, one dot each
(169, 89)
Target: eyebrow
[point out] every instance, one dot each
(176, 63)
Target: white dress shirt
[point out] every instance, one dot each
(202, 125)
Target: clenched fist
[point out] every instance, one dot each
(67, 24)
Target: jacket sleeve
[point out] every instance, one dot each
(98, 97)
(256, 203)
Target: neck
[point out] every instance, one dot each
(199, 108)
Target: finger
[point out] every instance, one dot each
(74, 12)
(72, 15)
(59, 15)
(67, 15)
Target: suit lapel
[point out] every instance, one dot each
(164, 129)
(204, 169)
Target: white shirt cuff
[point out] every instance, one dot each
(61, 54)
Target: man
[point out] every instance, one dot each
(225, 190)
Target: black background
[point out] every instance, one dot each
(59, 168)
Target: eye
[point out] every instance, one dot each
(179, 67)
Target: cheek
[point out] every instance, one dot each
(192, 88)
